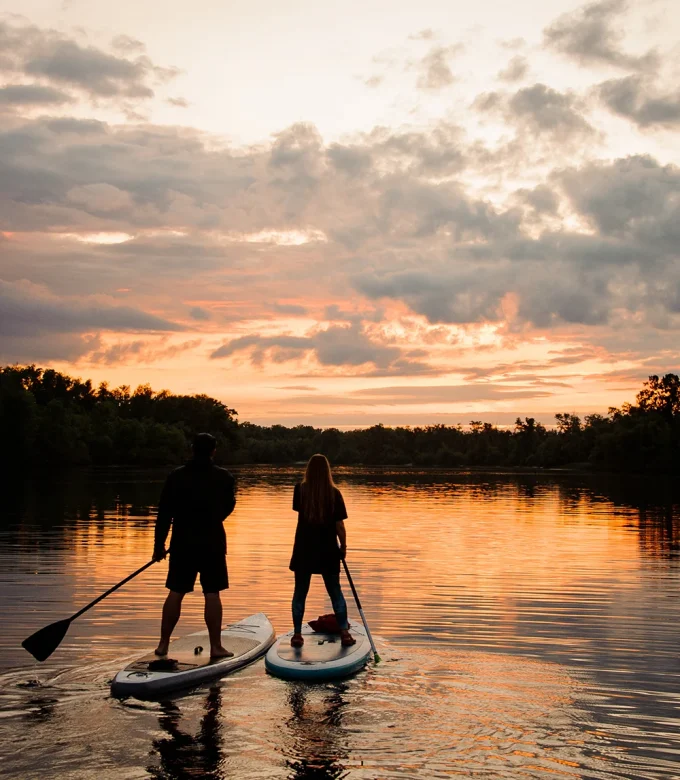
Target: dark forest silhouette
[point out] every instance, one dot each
(48, 418)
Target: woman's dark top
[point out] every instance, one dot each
(316, 545)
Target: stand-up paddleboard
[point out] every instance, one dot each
(188, 660)
(322, 657)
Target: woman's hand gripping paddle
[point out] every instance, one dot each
(43, 643)
(376, 657)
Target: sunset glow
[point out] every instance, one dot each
(404, 213)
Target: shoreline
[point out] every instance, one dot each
(585, 470)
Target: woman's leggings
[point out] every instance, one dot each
(332, 582)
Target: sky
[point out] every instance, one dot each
(344, 214)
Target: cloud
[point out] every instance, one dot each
(336, 313)
(634, 198)
(374, 81)
(541, 110)
(434, 70)
(36, 325)
(516, 69)
(335, 346)
(280, 348)
(533, 371)
(153, 171)
(289, 308)
(424, 35)
(128, 45)
(592, 35)
(351, 160)
(32, 95)
(421, 395)
(542, 199)
(298, 149)
(48, 55)
(547, 109)
(140, 351)
(439, 152)
(28, 310)
(400, 211)
(636, 98)
(199, 314)
(429, 394)
(92, 70)
(504, 226)
(68, 347)
(440, 293)
(415, 208)
(626, 264)
(349, 346)
(100, 198)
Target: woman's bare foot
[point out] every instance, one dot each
(220, 652)
(346, 639)
(297, 640)
(162, 648)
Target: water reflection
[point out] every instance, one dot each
(183, 755)
(62, 502)
(40, 709)
(316, 732)
(550, 604)
(659, 532)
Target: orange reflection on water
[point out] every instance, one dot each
(483, 562)
(496, 601)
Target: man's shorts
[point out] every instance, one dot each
(184, 568)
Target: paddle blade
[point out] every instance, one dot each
(43, 643)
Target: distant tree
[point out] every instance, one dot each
(661, 395)
(528, 434)
(568, 423)
(48, 418)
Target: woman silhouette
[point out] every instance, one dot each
(321, 514)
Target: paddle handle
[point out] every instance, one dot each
(361, 611)
(110, 590)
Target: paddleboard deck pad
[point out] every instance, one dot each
(188, 660)
(322, 657)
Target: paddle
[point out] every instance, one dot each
(376, 657)
(43, 643)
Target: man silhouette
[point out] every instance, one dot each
(195, 500)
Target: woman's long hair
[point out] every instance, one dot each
(317, 489)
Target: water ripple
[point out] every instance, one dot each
(529, 628)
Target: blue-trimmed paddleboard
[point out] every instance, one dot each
(322, 657)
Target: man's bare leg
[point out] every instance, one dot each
(213, 619)
(171, 612)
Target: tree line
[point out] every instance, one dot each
(48, 418)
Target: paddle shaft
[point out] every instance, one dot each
(361, 611)
(110, 590)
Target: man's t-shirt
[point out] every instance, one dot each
(195, 500)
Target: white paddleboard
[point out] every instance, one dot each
(322, 657)
(186, 665)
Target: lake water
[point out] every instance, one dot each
(529, 627)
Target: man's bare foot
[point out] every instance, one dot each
(297, 640)
(346, 639)
(220, 652)
(162, 648)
